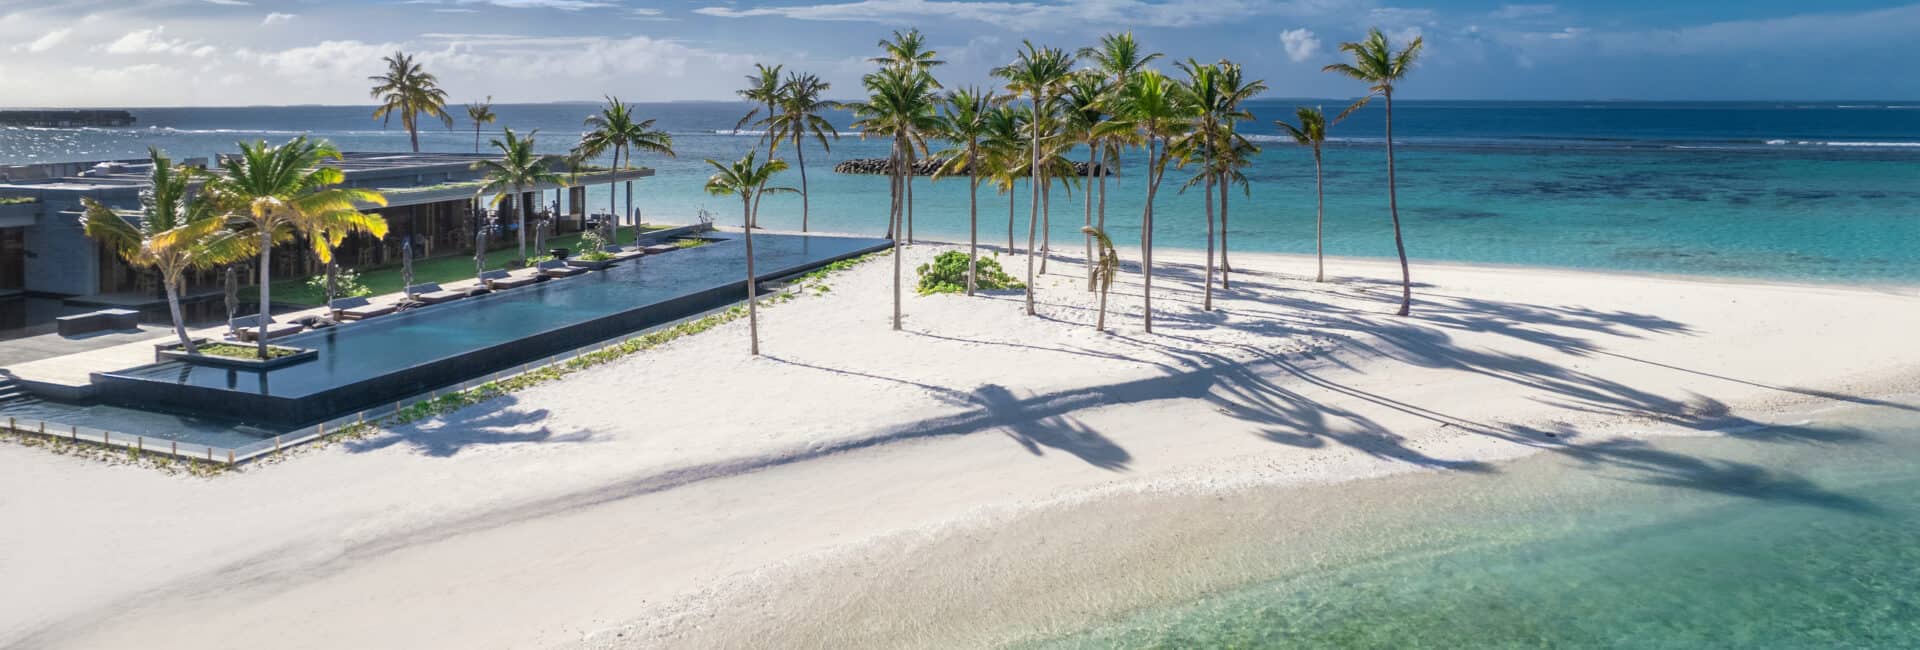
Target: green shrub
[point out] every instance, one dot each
(346, 280)
(948, 274)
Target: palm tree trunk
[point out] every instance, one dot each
(1103, 198)
(907, 178)
(1033, 184)
(893, 186)
(1046, 222)
(973, 217)
(1393, 206)
(613, 230)
(800, 153)
(1225, 268)
(1100, 321)
(1206, 303)
(173, 308)
(894, 226)
(266, 290)
(476, 137)
(1146, 235)
(1319, 220)
(613, 190)
(520, 215)
(413, 130)
(1092, 150)
(1010, 200)
(753, 311)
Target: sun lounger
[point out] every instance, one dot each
(346, 309)
(432, 294)
(499, 280)
(247, 328)
(656, 249)
(558, 269)
(621, 254)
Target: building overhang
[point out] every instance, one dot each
(400, 197)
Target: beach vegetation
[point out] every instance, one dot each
(408, 91)
(1040, 73)
(509, 177)
(178, 229)
(344, 283)
(595, 248)
(1377, 64)
(273, 193)
(481, 114)
(18, 200)
(955, 272)
(747, 179)
(617, 129)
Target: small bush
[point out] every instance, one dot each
(346, 280)
(948, 274)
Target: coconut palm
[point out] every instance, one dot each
(1006, 156)
(274, 192)
(964, 123)
(481, 113)
(1041, 73)
(408, 91)
(1235, 151)
(518, 170)
(908, 51)
(1216, 92)
(800, 116)
(617, 129)
(747, 179)
(177, 230)
(1311, 132)
(1156, 107)
(763, 90)
(1055, 145)
(1105, 267)
(1377, 64)
(1118, 56)
(1084, 108)
(900, 106)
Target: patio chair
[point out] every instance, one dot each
(622, 254)
(247, 328)
(432, 294)
(349, 309)
(558, 269)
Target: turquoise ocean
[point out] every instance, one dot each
(1826, 192)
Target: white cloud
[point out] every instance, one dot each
(1513, 12)
(277, 18)
(1300, 43)
(46, 42)
(229, 3)
(562, 5)
(153, 40)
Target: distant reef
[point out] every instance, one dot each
(66, 118)
(928, 167)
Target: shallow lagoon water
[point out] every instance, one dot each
(1794, 537)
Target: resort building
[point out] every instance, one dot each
(432, 204)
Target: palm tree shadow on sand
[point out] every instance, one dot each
(498, 424)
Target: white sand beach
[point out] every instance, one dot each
(980, 475)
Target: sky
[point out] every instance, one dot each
(261, 52)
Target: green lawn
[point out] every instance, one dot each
(386, 279)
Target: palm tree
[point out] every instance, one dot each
(1118, 56)
(1055, 143)
(519, 169)
(481, 113)
(274, 192)
(964, 123)
(409, 91)
(1085, 103)
(1312, 133)
(1216, 92)
(900, 106)
(1156, 106)
(616, 128)
(1235, 150)
(763, 90)
(1380, 67)
(1006, 156)
(800, 116)
(1041, 73)
(747, 180)
(908, 51)
(1105, 267)
(177, 230)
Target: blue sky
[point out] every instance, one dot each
(240, 52)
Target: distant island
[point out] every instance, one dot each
(66, 118)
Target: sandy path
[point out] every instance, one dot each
(641, 497)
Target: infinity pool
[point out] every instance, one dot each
(384, 359)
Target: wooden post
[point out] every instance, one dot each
(276, 444)
(106, 437)
(176, 448)
(140, 444)
(323, 429)
(209, 454)
(229, 457)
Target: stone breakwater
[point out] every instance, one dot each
(928, 167)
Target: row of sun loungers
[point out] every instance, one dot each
(354, 309)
